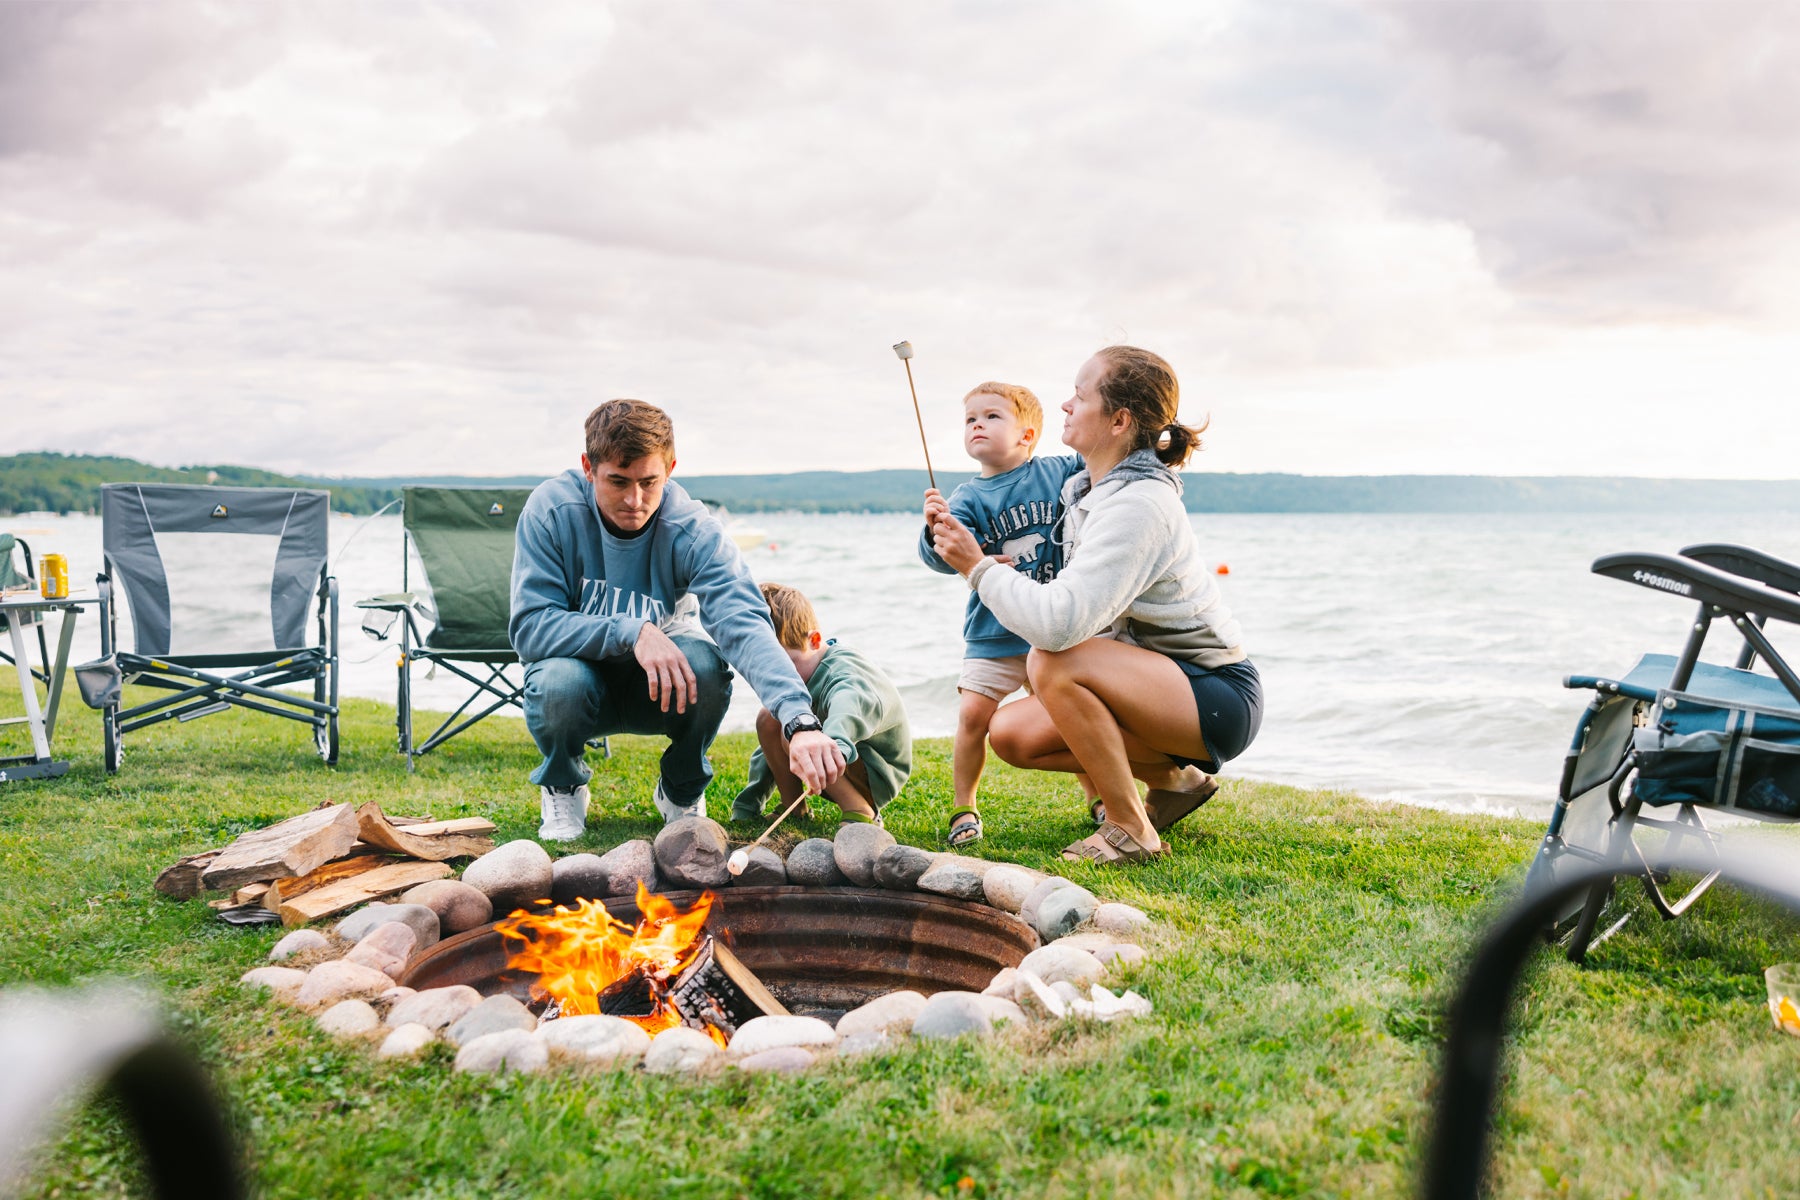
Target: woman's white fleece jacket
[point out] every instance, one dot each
(1131, 571)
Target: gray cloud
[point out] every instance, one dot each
(1640, 155)
(377, 238)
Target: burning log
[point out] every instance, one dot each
(713, 990)
(667, 971)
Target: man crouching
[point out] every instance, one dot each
(616, 573)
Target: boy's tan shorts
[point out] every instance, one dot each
(995, 678)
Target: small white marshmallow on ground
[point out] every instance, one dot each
(737, 862)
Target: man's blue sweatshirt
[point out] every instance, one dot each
(1013, 514)
(579, 591)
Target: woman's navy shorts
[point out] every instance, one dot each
(1229, 700)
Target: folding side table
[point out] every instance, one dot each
(18, 611)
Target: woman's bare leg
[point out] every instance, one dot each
(1110, 703)
(1023, 735)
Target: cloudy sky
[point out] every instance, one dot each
(1504, 236)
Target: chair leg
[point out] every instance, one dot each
(403, 711)
(109, 732)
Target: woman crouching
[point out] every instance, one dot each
(1137, 668)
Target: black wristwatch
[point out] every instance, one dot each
(804, 723)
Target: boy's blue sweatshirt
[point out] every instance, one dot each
(1013, 514)
(578, 591)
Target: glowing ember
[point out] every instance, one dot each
(579, 951)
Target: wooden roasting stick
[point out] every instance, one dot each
(335, 897)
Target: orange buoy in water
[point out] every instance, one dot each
(1222, 569)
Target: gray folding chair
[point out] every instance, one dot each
(208, 662)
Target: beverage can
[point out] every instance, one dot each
(55, 571)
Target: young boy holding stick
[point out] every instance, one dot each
(861, 709)
(1013, 508)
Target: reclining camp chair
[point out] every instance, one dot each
(149, 534)
(464, 539)
(1675, 735)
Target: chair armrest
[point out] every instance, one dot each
(1751, 564)
(392, 602)
(1695, 580)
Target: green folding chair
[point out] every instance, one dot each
(12, 575)
(464, 540)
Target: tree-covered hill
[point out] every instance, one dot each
(71, 483)
(47, 482)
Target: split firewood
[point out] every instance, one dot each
(181, 879)
(440, 828)
(384, 880)
(449, 839)
(291, 847)
(282, 890)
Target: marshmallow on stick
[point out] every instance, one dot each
(741, 858)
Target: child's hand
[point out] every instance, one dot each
(935, 506)
(955, 544)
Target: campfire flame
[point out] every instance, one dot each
(578, 951)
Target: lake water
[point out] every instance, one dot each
(1410, 657)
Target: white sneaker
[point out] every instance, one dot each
(672, 811)
(565, 814)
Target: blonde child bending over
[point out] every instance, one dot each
(859, 705)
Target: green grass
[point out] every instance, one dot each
(1307, 947)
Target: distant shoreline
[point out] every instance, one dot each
(44, 482)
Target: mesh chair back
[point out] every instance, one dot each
(11, 573)
(465, 541)
(133, 516)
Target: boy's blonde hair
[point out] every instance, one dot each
(793, 614)
(1024, 403)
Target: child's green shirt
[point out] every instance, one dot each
(863, 713)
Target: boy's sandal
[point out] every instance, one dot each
(965, 827)
(1111, 845)
(855, 818)
(1097, 811)
(1168, 805)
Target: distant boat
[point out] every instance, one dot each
(746, 535)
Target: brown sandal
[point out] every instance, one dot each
(1111, 845)
(1168, 805)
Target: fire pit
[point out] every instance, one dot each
(820, 951)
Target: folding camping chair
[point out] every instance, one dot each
(148, 534)
(12, 576)
(1675, 733)
(464, 539)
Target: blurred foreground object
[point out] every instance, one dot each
(1456, 1160)
(62, 1047)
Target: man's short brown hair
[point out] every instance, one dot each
(623, 431)
(793, 614)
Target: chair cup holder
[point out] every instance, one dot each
(100, 681)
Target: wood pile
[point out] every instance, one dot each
(327, 860)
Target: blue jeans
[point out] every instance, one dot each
(570, 700)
